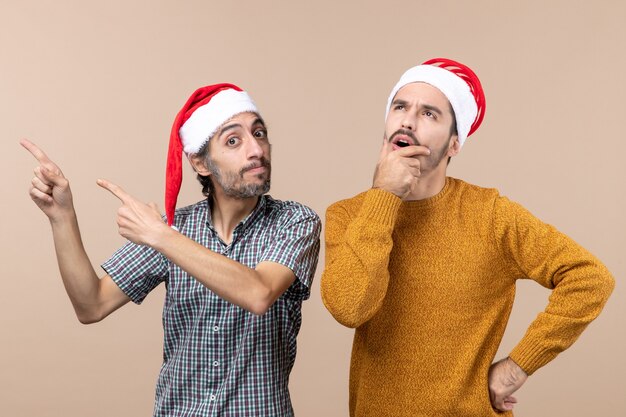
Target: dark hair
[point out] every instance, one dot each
(205, 180)
(453, 129)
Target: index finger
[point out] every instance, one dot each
(116, 190)
(36, 152)
(413, 150)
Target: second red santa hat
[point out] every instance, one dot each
(458, 83)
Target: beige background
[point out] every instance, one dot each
(97, 85)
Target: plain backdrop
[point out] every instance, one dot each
(97, 85)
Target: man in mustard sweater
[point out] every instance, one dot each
(424, 267)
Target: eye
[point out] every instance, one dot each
(260, 133)
(398, 107)
(232, 141)
(430, 114)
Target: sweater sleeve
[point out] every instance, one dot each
(356, 275)
(580, 283)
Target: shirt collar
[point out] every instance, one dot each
(243, 225)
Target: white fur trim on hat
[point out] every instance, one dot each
(452, 86)
(205, 121)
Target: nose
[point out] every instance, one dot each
(254, 150)
(408, 121)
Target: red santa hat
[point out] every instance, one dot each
(205, 111)
(458, 83)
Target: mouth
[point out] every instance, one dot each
(402, 143)
(403, 138)
(256, 169)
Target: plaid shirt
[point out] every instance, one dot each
(219, 359)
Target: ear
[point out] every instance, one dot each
(454, 147)
(198, 165)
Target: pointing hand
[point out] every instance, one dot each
(138, 222)
(50, 190)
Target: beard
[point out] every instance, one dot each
(431, 161)
(234, 184)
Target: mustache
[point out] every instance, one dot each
(263, 162)
(405, 133)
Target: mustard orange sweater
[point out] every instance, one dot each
(429, 287)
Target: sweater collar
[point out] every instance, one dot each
(431, 201)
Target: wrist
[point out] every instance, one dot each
(515, 369)
(64, 217)
(162, 233)
(387, 188)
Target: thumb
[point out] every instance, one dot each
(385, 149)
(52, 177)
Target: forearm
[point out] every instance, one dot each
(574, 303)
(91, 297)
(356, 276)
(354, 283)
(79, 278)
(580, 283)
(228, 279)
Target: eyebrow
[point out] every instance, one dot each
(398, 101)
(424, 106)
(257, 121)
(229, 127)
(432, 108)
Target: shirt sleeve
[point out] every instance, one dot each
(137, 270)
(296, 246)
(580, 283)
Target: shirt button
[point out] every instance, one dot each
(216, 328)
(216, 363)
(212, 397)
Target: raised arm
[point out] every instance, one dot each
(358, 245)
(92, 298)
(359, 238)
(254, 289)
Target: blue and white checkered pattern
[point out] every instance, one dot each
(219, 359)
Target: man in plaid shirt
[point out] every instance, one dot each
(236, 265)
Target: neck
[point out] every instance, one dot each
(227, 212)
(429, 184)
